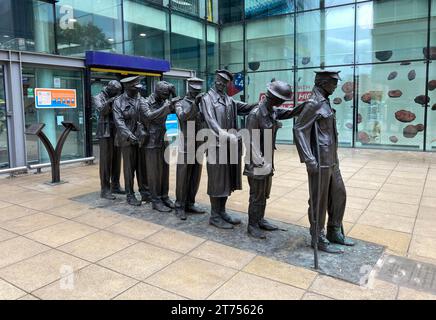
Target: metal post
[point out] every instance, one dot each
(54, 154)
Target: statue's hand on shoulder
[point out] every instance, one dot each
(199, 97)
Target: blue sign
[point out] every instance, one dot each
(172, 125)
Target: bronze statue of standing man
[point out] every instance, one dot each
(188, 165)
(154, 112)
(262, 124)
(127, 119)
(110, 155)
(220, 114)
(316, 138)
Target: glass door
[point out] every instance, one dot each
(4, 150)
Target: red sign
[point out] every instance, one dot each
(301, 97)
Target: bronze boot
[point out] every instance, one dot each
(254, 216)
(215, 216)
(336, 235)
(226, 216)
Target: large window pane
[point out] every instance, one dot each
(433, 27)
(145, 31)
(315, 4)
(391, 113)
(341, 100)
(392, 30)
(232, 48)
(270, 44)
(431, 111)
(212, 48)
(27, 25)
(46, 78)
(89, 25)
(257, 83)
(188, 44)
(265, 8)
(325, 37)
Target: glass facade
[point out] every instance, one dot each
(183, 32)
(27, 25)
(383, 48)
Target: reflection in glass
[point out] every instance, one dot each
(256, 88)
(192, 7)
(232, 48)
(270, 43)
(187, 44)
(44, 78)
(145, 31)
(303, 5)
(325, 37)
(390, 108)
(212, 11)
(266, 8)
(89, 25)
(27, 25)
(231, 10)
(4, 152)
(391, 30)
(212, 49)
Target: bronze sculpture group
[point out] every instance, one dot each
(135, 126)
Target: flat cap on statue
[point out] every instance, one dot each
(131, 82)
(195, 83)
(225, 74)
(328, 74)
(280, 89)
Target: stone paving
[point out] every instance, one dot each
(52, 247)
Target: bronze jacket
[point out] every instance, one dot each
(154, 117)
(188, 112)
(317, 114)
(126, 116)
(105, 123)
(220, 114)
(262, 125)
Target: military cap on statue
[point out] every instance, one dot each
(280, 89)
(195, 83)
(225, 74)
(131, 82)
(326, 74)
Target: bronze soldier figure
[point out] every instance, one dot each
(154, 112)
(110, 155)
(220, 114)
(127, 120)
(262, 124)
(315, 129)
(188, 168)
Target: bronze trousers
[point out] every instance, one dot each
(333, 198)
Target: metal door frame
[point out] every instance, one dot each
(12, 62)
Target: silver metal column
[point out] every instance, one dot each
(15, 111)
